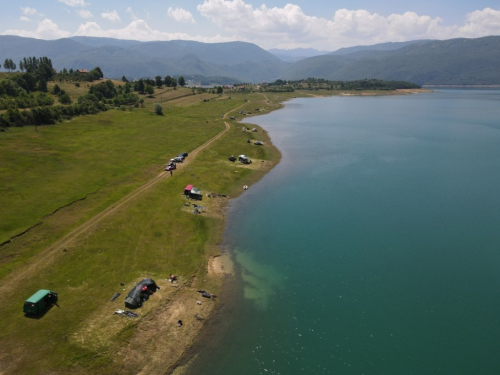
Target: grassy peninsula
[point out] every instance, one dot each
(88, 210)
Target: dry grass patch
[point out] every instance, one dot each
(100, 330)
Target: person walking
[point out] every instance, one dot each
(171, 173)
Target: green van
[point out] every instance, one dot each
(40, 301)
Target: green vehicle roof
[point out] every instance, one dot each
(38, 296)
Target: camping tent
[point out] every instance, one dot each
(196, 194)
(140, 293)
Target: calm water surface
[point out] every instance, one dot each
(373, 247)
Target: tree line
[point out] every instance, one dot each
(28, 90)
(147, 85)
(320, 83)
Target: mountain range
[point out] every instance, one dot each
(425, 62)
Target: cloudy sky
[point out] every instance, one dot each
(321, 24)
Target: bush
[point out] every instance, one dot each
(158, 109)
(64, 99)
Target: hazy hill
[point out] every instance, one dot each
(390, 46)
(104, 42)
(296, 54)
(230, 53)
(16, 47)
(449, 62)
(237, 61)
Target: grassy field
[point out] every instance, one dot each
(61, 176)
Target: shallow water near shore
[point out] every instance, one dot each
(373, 247)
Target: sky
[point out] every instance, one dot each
(325, 25)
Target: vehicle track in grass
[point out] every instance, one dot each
(54, 251)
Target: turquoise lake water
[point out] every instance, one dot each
(373, 247)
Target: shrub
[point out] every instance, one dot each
(158, 109)
(64, 99)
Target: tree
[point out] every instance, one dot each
(150, 90)
(158, 108)
(56, 89)
(42, 85)
(124, 79)
(168, 81)
(219, 90)
(97, 73)
(105, 90)
(174, 83)
(182, 81)
(158, 81)
(139, 86)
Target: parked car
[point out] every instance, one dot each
(259, 143)
(232, 158)
(183, 154)
(171, 166)
(178, 159)
(40, 301)
(244, 159)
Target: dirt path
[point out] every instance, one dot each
(265, 96)
(51, 253)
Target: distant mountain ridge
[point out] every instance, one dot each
(449, 62)
(238, 61)
(296, 54)
(426, 62)
(390, 46)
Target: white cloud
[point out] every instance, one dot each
(29, 11)
(46, 29)
(83, 13)
(111, 16)
(75, 3)
(285, 27)
(481, 23)
(140, 30)
(290, 27)
(180, 15)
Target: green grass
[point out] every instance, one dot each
(70, 160)
(102, 158)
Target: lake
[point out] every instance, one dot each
(373, 247)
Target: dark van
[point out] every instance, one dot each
(40, 301)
